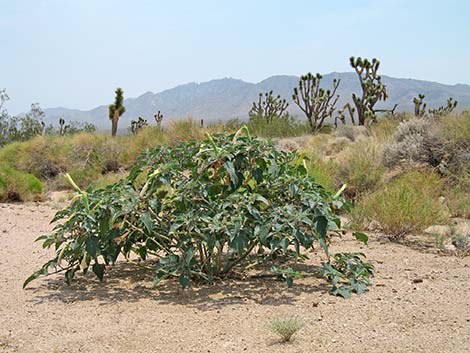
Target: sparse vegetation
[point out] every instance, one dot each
(406, 204)
(285, 327)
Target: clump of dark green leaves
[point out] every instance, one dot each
(203, 208)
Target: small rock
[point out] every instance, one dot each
(440, 230)
(462, 229)
(450, 247)
(417, 280)
(374, 225)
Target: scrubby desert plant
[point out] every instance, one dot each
(285, 327)
(204, 208)
(415, 142)
(407, 204)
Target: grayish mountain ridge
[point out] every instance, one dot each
(227, 98)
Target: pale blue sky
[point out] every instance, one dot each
(75, 53)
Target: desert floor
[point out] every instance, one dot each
(419, 302)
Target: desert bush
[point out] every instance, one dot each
(415, 142)
(18, 186)
(407, 204)
(205, 208)
(285, 328)
(360, 167)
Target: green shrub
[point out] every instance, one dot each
(18, 186)
(205, 209)
(407, 204)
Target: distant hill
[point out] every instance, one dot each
(227, 98)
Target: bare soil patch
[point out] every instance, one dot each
(419, 302)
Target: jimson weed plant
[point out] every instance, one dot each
(204, 209)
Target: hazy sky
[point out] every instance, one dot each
(75, 53)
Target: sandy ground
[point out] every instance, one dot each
(420, 302)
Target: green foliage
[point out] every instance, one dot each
(408, 203)
(19, 128)
(317, 103)
(18, 186)
(348, 273)
(285, 328)
(202, 207)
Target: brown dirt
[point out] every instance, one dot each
(125, 314)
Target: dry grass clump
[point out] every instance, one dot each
(409, 203)
(360, 167)
(351, 132)
(458, 195)
(18, 186)
(285, 328)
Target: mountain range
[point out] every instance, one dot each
(227, 98)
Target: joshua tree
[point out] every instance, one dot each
(315, 102)
(373, 90)
(138, 124)
(158, 118)
(116, 110)
(420, 106)
(444, 110)
(62, 127)
(268, 107)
